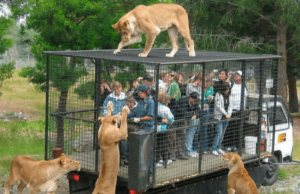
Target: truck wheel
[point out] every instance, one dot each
(272, 171)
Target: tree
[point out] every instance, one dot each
(266, 21)
(68, 25)
(5, 43)
(62, 26)
(6, 70)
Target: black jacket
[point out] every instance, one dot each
(185, 110)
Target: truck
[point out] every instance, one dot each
(261, 133)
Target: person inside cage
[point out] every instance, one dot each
(213, 74)
(117, 98)
(188, 108)
(131, 103)
(173, 89)
(143, 115)
(221, 79)
(236, 93)
(182, 84)
(195, 85)
(164, 77)
(148, 81)
(104, 90)
(208, 97)
(217, 83)
(222, 113)
(133, 86)
(229, 78)
(124, 144)
(163, 146)
(191, 78)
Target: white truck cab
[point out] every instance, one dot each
(280, 121)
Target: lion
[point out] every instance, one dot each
(151, 20)
(39, 175)
(239, 180)
(109, 135)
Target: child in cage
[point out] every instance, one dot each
(163, 146)
(222, 112)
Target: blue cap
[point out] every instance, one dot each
(142, 87)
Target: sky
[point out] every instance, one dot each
(6, 10)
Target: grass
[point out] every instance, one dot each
(18, 137)
(295, 114)
(288, 171)
(23, 96)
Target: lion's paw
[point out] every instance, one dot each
(169, 55)
(117, 51)
(125, 109)
(192, 54)
(110, 106)
(142, 55)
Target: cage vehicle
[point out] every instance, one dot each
(260, 130)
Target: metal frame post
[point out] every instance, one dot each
(275, 103)
(260, 99)
(47, 109)
(155, 121)
(242, 102)
(202, 118)
(97, 110)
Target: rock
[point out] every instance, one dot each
(5, 120)
(84, 142)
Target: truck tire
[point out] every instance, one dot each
(272, 171)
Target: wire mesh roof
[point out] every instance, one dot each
(158, 56)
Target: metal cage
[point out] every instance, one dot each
(74, 102)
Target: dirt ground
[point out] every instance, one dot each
(6, 106)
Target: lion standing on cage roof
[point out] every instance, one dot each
(151, 20)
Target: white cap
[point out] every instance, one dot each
(239, 72)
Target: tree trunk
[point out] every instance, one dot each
(292, 78)
(281, 50)
(62, 107)
(293, 98)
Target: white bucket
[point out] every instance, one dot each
(250, 144)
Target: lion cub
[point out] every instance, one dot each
(39, 175)
(239, 180)
(151, 20)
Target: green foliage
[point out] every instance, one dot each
(126, 73)
(236, 25)
(9, 114)
(6, 72)
(5, 43)
(74, 25)
(86, 90)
